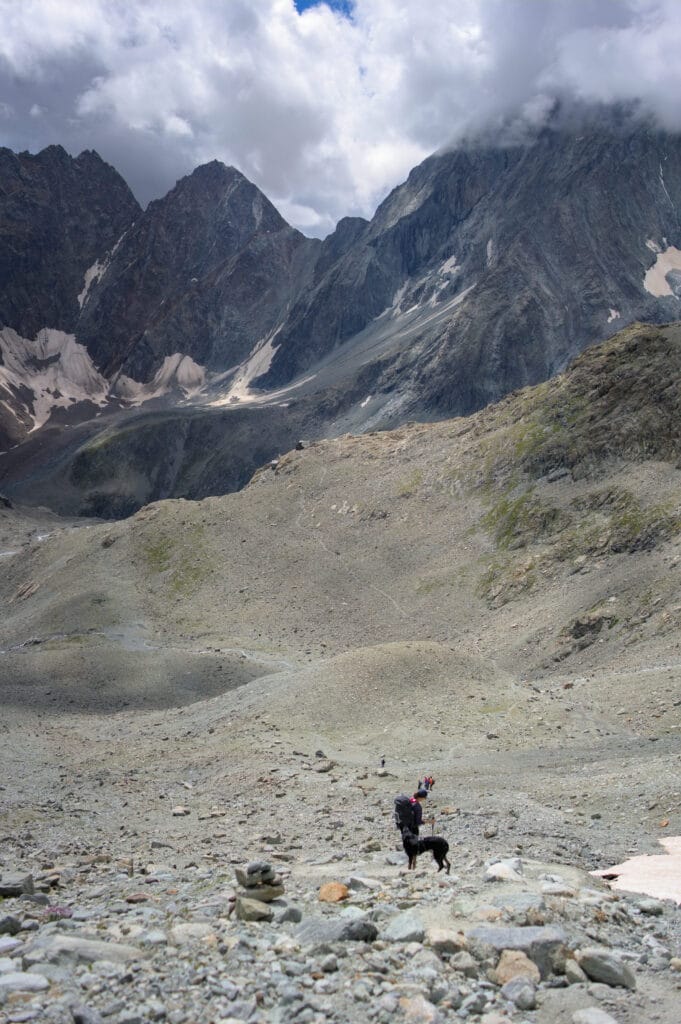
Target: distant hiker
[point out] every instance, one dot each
(419, 785)
(426, 783)
(382, 762)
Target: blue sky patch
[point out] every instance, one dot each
(342, 6)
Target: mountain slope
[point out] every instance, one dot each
(207, 271)
(528, 533)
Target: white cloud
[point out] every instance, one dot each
(323, 112)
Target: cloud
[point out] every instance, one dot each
(325, 109)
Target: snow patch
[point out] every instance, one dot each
(652, 245)
(491, 252)
(614, 315)
(449, 266)
(92, 274)
(366, 401)
(658, 876)
(54, 368)
(655, 282)
(176, 372)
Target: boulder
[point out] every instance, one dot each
(58, 948)
(604, 965)
(405, 927)
(543, 945)
(592, 1015)
(320, 930)
(15, 883)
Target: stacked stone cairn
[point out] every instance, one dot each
(259, 885)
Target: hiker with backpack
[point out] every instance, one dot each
(409, 811)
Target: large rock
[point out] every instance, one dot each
(405, 927)
(60, 948)
(317, 930)
(263, 893)
(256, 872)
(18, 981)
(16, 883)
(543, 945)
(604, 965)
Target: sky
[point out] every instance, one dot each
(325, 106)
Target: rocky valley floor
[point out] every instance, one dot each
(210, 685)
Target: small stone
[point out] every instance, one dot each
(574, 975)
(653, 908)
(419, 1010)
(521, 992)
(514, 964)
(264, 893)
(333, 892)
(465, 964)
(675, 963)
(504, 871)
(592, 1015)
(602, 965)
(491, 831)
(444, 941)
(85, 1015)
(180, 811)
(137, 897)
(252, 910)
(9, 925)
(359, 884)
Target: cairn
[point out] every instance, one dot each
(259, 885)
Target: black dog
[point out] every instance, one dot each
(414, 845)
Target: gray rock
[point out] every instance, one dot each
(654, 908)
(465, 964)
(520, 991)
(257, 872)
(574, 975)
(252, 910)
(474, 1003)
(358, 883)
(542, 945)
(58, 948)
(592, 1015)
(604, 965)
(289, 912)
(8, 944)
(9, 925)
(316, 930)
(263, 893)
(85, 1015)
(19, 981)
(14, 883)
(406, 927)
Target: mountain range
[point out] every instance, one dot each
(170, 351)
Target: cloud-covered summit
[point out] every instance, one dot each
(324, 108)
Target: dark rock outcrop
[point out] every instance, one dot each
(58, 215)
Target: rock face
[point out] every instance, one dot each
(491, 266)
(207, 271)
(58, 216)
(488, 269)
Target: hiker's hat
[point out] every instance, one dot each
(422, 792)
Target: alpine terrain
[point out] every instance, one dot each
(289, 524)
